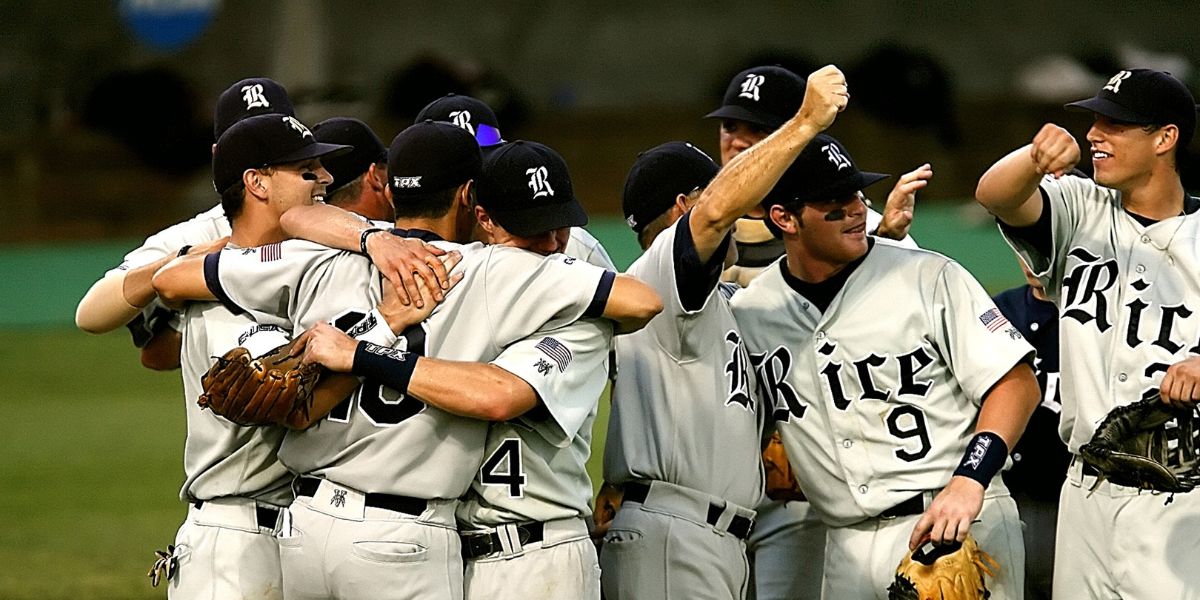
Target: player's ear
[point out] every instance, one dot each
(787, 221)
(484, 220)
(1168, 135)
(253, 180)
(466, 194)
(377, 178)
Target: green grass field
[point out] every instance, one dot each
(92, 448)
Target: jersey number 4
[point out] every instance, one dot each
(503, 467)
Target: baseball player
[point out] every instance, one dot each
(876, 416)
(1040, 459)
(359, 177)
(684, 379)
(1118, 256)
(479, 120)
(235, 484)
(382, 472)
(757, 101)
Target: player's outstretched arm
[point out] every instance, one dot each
(116, 299)
(631, 304)
(898, 213)
(399, 259)
(1009, 189)
(477, 390)
(743, 183)
(182, 280)
(1002, 419)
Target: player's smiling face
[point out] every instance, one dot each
(737, 136)
(834, 232)
(298, 184)
(1123, 154)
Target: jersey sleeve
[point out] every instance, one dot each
(977, 341)
(522, 288)
(568, 368)
(204, 227)
(673, 268)
(1068, 199)
(584, 246)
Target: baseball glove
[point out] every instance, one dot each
(259, 391)
(1147, 445)
(607, 503)
(946, 572)
(781, 482)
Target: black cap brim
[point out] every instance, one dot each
(317, 150)
(536, 220)
(1107, 108)
(741, 113)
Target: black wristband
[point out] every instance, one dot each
(984, 458)
(183, 250)
(389, 366)
(362, 237)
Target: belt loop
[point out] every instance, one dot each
(510, 539)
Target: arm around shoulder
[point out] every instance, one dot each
(182, 280)
(631, 303)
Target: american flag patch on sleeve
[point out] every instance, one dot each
(993, 320)
(270, 252)
(556, 351)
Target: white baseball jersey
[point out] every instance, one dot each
(205, 227)
(222, 458)
(1128, 299)
(584, 246)
(873, 411)
(683, 408)
(535, 466)
(379, 440)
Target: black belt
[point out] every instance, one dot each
(307, 486)
(479, 544)
(739, 526)
(267, 516)
(912, 506)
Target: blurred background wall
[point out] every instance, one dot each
(105, 106)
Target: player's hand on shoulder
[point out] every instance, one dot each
(328, 346)
(405, 261)
(1181, 385)
(898, 213)
(825, 95)
(400, 315)
(1054, 150)
(949, 516)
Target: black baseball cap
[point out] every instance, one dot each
(249, 97)
(1145, 97)
(526, 188)
(824, 171)
(429, 157)
(767, 96)
(468, 113)
(347, 167)
(659, 175)
(264, 140)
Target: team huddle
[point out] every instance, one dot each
(805, 404)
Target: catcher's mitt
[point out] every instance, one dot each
(259, 391)
(1147, 445)
(949, 572)
(781, 482)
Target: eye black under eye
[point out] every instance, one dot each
(309, 176)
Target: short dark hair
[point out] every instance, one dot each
(232, 201)
(431, 204)
(347, 193)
